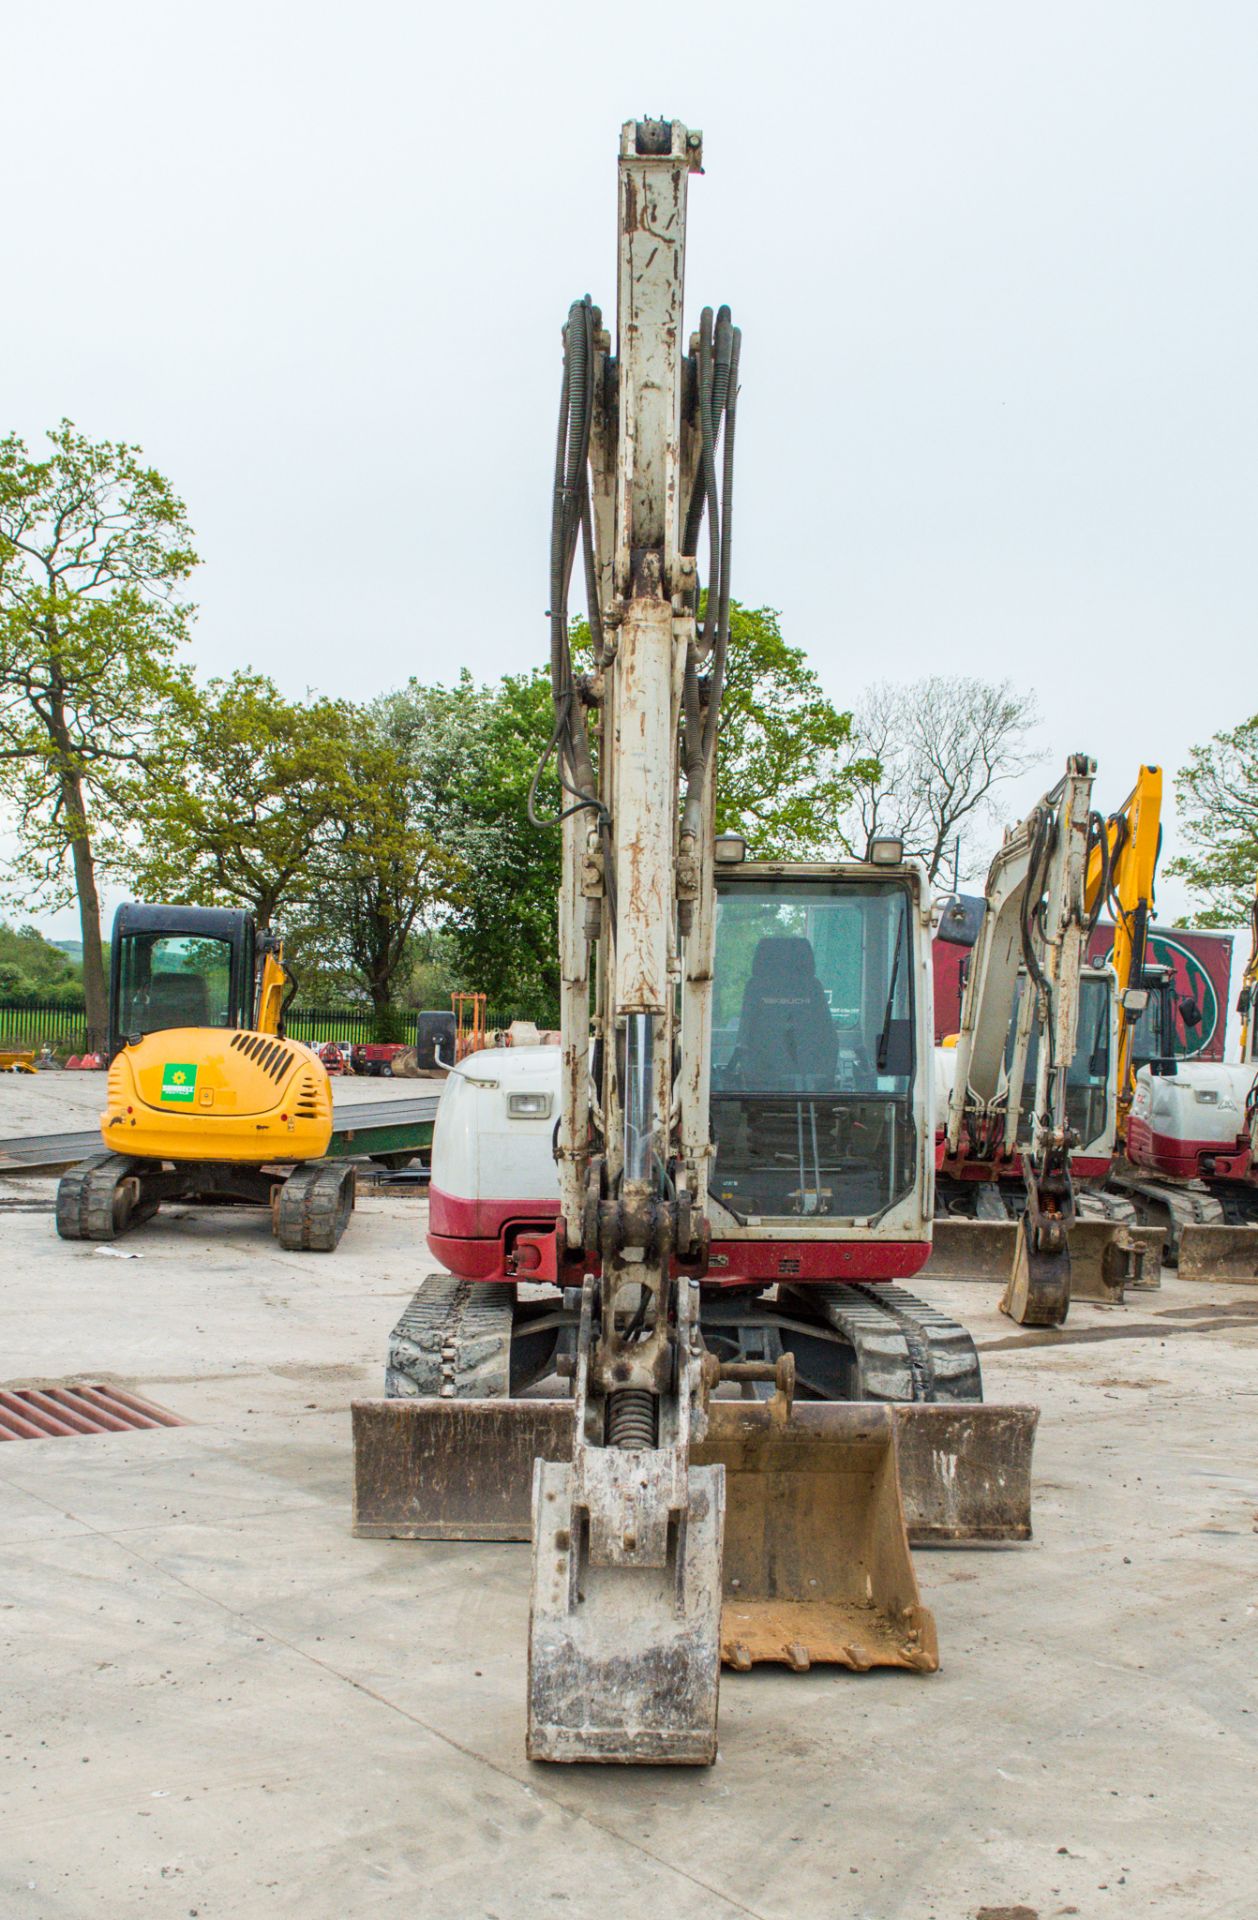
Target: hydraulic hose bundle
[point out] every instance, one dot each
(719, 348)
(571, 521)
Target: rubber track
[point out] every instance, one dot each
(312, 1210)
(453, 1342)
(905, 1349)
(85, 1198)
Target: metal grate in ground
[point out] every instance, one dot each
(60, 1413)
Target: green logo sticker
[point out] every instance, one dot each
(179, 1081)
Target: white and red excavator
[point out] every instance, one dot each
(1039, 1025)
(695, 1217)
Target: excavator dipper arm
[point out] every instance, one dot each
(1035, 922)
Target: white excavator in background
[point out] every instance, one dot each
(1190, 1140)
(1033, 935)
(1005, 1105)
(742, 1117)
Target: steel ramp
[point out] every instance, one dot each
(430, 1469)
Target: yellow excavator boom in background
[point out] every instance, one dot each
(1120, 874)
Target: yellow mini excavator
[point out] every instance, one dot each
(207, 1100)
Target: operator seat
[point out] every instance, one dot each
(786, 1038)
(176, 1000)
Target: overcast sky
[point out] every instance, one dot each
(994, 266)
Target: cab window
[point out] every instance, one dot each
(173, 980)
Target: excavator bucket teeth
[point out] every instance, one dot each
(1218, 1253)
(1038, 1289)
(624, 1629)
(428, 1469)
(817, 1563)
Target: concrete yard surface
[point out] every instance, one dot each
(217, 1703)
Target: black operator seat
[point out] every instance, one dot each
(786, 1038)
(176, 1000)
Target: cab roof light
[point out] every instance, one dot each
(884, 850)
(730, 849)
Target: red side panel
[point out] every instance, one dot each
(514, 1240)
(1182, 1159)
(733, 1263)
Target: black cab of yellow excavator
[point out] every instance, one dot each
(179, 967)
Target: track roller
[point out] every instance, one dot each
(314, 1206)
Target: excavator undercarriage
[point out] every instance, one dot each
(448, 1454)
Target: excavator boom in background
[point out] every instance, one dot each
(983, 1193)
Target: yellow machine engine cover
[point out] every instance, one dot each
(198, 1093)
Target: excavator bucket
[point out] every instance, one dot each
(1038, 1290)
(463, 1469)
(624, 1629)
(1218, 1253)
(817, 1563)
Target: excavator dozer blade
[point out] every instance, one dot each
(1218, 1253)
(965, 1471)
(963, 1249)
(624, 1629)
(428, 1469)
(463, 1469)
(817, 1562)
(1106, 1256)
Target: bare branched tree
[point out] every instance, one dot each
(942, 745)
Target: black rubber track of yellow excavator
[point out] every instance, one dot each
(315, 1204)
(92, 1199)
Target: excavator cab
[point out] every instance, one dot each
(815, 1042)
(179, 967)
(1090, 1089)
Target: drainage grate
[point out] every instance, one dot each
(53, 1413)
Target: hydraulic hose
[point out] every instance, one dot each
(570, 521)
(719, 349)
(1098, 838)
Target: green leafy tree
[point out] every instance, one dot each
(787, 766)
(382, 867)
(94, 546)
(250, 783)
(32, 966)
(476, 749)
(1216, 798)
